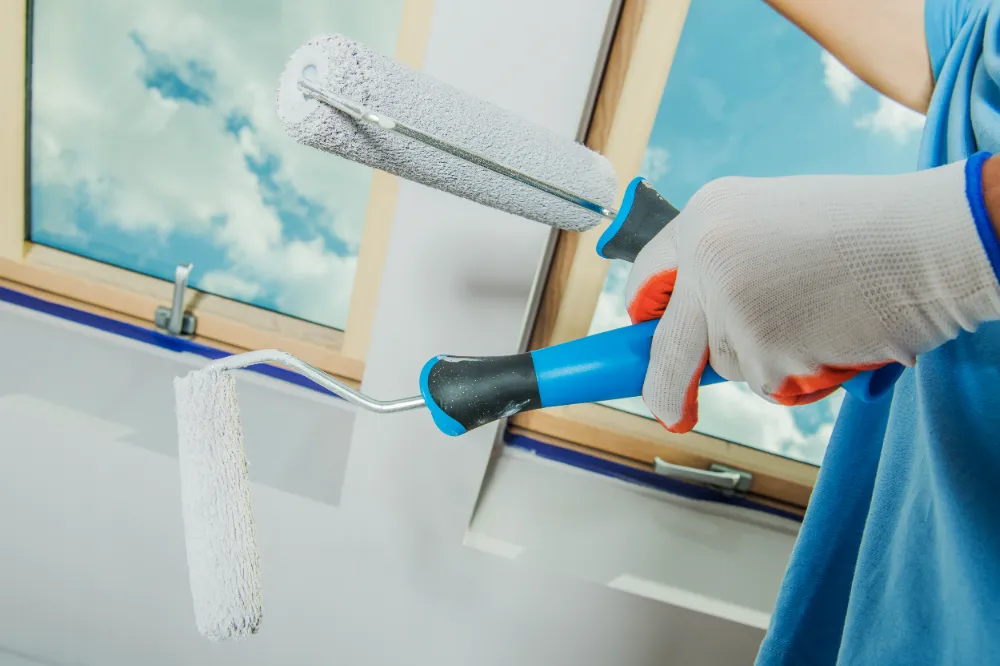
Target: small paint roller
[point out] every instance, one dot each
(223, 566)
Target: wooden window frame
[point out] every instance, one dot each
(642, 51)
(125, 295)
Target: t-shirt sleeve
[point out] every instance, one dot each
(942, 21)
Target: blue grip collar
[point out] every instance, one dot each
(445, 423)
(616, 224)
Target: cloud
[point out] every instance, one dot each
(190, 80)
(838, 79)
(894, 119)
(655, 163)
(302, 217)
(889, 117)
(732, 412)
(164, 144)
(229, 285)
(610, 312)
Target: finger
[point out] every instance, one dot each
(677, 359)
(725, 359)
(806, 389)
(653, 275)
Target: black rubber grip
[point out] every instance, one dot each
(645, 217)
(477, 391)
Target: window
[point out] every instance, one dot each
(747, 94)
(153, 140)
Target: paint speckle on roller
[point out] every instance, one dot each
(513, 408)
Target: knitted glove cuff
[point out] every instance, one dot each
(977, 204)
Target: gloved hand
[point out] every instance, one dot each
(794, 284)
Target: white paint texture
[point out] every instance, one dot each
(356, 73)
(223, 563)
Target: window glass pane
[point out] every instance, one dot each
(749, 94)
(155, 141)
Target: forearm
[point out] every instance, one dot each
(881, 41)
(991, 191)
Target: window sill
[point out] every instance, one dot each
(710, 558)
(783, 480)
(99, 288)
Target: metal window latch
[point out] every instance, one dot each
(173, 319)
(729, 480)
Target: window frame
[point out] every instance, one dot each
(128, 296)
(642, 50)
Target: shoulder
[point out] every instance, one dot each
(944, 22)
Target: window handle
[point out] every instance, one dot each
(173, 319)
(721, 477)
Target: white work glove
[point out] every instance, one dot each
(795, 284)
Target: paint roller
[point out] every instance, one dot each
(461, 393)
(340, 97)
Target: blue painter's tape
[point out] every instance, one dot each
(606, 366)
(623, 211)
(633, 475)
(146, 335)
(445, 423)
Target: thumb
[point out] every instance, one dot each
(651, 280)
(677, 359)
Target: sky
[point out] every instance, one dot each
(155, 141)
(749, 94)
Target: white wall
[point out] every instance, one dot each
(708, 557)
(360, 534)
(92, 564)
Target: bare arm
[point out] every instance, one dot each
(881, 41)
(991, 191)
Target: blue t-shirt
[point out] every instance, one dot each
(898, 560)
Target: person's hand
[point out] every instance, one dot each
(795, 284)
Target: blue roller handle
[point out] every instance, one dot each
(613, 365)
(463, 393)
